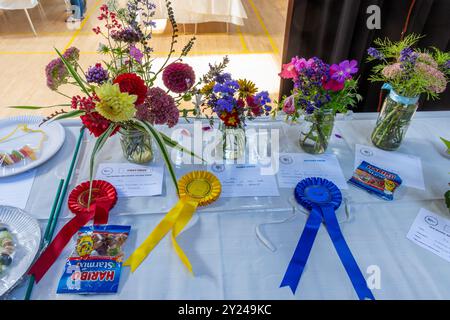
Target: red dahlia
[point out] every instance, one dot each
(132, 84)
(96, 123)
(178, 77)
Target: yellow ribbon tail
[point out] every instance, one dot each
(183, 219)
(141, 253)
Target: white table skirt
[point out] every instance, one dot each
(200, 11)
(230, 261)
(17, 4)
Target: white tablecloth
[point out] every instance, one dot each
(230, 261)
(199, 11)
(18, 4)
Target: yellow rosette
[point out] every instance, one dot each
(198, 188)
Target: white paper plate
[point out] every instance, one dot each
(27, 239)
(55, 139)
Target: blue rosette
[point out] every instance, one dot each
(322, 198)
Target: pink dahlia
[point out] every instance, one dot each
(179, 77)
(158, 108)
(289, 105)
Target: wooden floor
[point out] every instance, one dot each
(255, 49)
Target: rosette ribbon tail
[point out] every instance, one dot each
(52, 252)
(349, 262)
(322, 198)
(198, 188)
(298, 262)
(183, 209)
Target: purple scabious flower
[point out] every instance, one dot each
(96, 74)
(136, 54)
(344, 70)
(374, 53)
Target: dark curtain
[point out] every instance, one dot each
(336, 30)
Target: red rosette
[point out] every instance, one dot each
(79, 197)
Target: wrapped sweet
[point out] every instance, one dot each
(16, 156)
(7, 248)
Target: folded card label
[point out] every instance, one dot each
(431, 232)
(133, 180)
(294, 167)
(245, 181)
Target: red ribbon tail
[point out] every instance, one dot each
(101, 210)
(52, 252)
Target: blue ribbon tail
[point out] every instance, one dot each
(386, 86)
(349, 262)
(301, 253)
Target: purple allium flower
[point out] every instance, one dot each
(96, 74)
(136, 53)
(72, 54)
(447, 64)
(158, 108)
(56, 74)
(374, 53)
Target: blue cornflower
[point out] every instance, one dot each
(408, 55)
(223, 77)
(225, 104)
(263, 98)
(374, 53)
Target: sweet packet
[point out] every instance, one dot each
(95, 265)
(376, 181)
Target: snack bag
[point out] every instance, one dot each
(96, 263)
(375, 180)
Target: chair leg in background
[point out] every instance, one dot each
(31, 22)
(41, 11)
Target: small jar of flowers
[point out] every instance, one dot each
(320, 91)
(234, 102)
(407, 74)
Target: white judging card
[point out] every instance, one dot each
(294, 167)
(15, 190)
(133, 180)
(432, 232)
(408, 167)
(245, 181)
